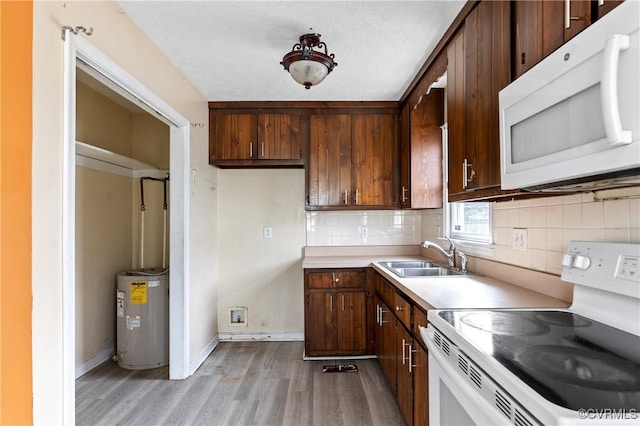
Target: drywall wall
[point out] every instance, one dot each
(103, 248)
(265, 275)
(122, 41)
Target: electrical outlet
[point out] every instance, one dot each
(364, 232)
(520, 239)
(267, 232)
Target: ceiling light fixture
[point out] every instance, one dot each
(307, 66)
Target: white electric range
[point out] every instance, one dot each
(525, 367)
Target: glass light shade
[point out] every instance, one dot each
(307, 72)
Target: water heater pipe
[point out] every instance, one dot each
(164, 226)
(142, 223)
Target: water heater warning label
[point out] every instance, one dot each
(139, 293)
(120, 303)
(133, 321)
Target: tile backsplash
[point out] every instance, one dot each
(548, 222)
(357, 228)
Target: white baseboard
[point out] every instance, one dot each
(204, 353)
(337, 358)
(262, 337)
(95, 361)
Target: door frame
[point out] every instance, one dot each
(78, 49)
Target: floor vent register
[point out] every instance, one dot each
(340, 368)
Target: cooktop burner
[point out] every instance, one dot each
(590, 369)
(504, 323)
(566, 319)
(570, 360)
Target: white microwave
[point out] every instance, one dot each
(572, 122)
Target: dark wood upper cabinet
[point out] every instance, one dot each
(605, 6)
(255, 139)
(477, 69)
(329, 165)
(540, 27)
(373, 156)
(352, 160)
(426, 119)
(279, 137)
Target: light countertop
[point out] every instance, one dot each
(447, 292)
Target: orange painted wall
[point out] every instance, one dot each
(16, 39)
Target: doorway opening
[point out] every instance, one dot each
(81, 54)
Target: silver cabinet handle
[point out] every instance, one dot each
(346, 196)
(382, 321)
(398, 308)
(377, 314)
(465, 173)
(403, 345)
(262, 149)
(567, 14)
(250, 149)
(411, 351)
(357, 197)
(405, 191)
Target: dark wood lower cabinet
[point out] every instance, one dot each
(335, 312)
(420, 370)
(404, 355)
(403, 360)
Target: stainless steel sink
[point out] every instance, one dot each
(408, 269)
(409, 264)
(425, 272)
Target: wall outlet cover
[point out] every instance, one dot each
(520, 240)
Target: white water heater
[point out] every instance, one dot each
(142, 317)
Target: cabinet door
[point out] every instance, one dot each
(456, 110)
(351, 322)
(373, 154)
(606, 6)
(329, 168)
(233, 136)
(320, 323)
(478, 73)
(279, 137)
(404, 145)
(426, 152)
(404, 397)
(577, 17)
(420, 370)
(385, 336)
(539, 29)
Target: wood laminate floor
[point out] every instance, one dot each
(240, 383)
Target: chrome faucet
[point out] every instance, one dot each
(449, 255)
(463, 261)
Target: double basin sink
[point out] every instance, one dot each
(407, 269)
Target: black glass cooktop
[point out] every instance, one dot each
(570, 360)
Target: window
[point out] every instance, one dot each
(471, 221)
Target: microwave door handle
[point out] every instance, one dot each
(609, 90)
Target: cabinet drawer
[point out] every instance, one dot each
(402, 309)
(419, 319)
(335, 279)
(384, 290)
(349, 279)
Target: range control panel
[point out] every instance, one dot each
(609, 266)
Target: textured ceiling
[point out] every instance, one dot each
(231, 50)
